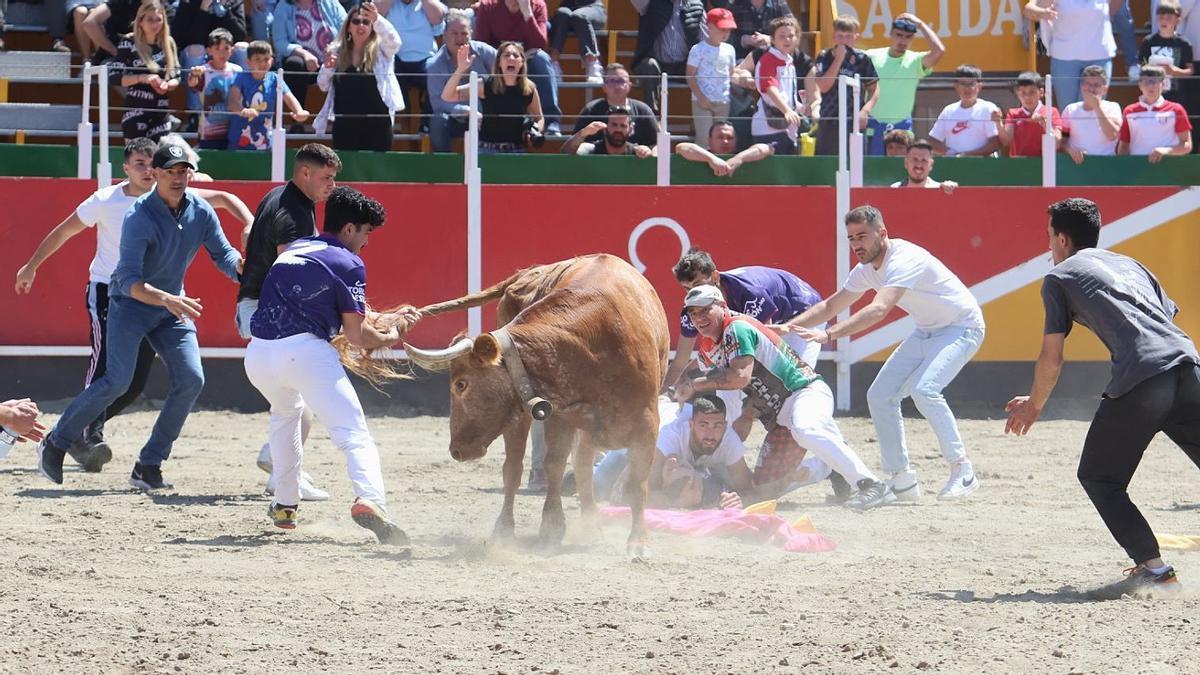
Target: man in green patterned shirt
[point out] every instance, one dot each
(738, 352)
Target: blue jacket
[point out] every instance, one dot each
(283, 26)
(157, 247)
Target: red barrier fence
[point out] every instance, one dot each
(420, 256)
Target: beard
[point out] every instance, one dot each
(616, 140)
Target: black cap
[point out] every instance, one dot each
(170, 154)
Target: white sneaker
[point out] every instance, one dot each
(558, 71)
(308, 491)
(595, 74)
(961, 484)
(264, 458)
(905, 486)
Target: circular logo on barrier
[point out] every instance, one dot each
(670, 224)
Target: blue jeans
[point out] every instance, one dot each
(876, 130)
(542, 74)
(1066, 75)
(443, 128)
(1122, 23)
(921, 367)
(130, 321)
(260, 22)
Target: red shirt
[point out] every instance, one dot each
(495, 24)
(1146, 127)
(1027, 134)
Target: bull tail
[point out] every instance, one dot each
(473, 300)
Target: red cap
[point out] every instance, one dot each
(721, 18)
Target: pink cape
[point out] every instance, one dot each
(757, 527)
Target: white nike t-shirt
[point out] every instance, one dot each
(934, 297)
(965, 129)
(674, 440)
(105, 210)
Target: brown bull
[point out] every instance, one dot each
(591, 335)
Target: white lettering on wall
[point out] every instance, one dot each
(973, 18)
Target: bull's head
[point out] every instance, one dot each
(483, 402)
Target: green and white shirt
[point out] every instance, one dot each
(778, 369)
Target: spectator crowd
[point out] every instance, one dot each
(755, 90)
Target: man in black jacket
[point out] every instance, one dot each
(666, 32)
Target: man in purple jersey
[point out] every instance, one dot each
(313, 291)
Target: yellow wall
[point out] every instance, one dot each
(1014, 321)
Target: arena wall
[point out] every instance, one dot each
(986, 235)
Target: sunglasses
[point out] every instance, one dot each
(360, 22)
(615, 81)
(904, 25)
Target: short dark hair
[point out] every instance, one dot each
(217, 36)
(1030, 79)
(707, 404)
(259, 47)
(968, 72)
(1095, 71)
(695, 261)
(1168, 7)
(721, 123)
(317, 155)
(782, 21)
(898, 137)
(865, 215)
(142, 146)
(1079, 219)
(1153, 71)
(921, 145)
(347, 205)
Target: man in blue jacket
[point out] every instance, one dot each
(162, 232)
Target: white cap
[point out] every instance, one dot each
(703, 296)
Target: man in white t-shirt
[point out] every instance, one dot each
(949, 330)
(701, 461)
(1091, 125)
(970, 127)
(918, 164)
(105, 210)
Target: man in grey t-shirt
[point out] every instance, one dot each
(1155, 382)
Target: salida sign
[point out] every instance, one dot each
(986, 33)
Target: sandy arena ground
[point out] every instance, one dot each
(99, 578)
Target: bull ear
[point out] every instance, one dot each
(486, 349)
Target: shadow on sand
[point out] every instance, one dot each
(1064, 595)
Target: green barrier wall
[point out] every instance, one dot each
(546, 169)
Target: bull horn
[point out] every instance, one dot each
(438, 359)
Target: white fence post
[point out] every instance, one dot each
(856, 139)
(104, 166)
(664, 139)
(473, 177)
(1049, 145)
(278, 135)
(83, 137)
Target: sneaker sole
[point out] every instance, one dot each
(962, 494)
(101, 454)
(385, 531)
(146, 487)
(910, 495)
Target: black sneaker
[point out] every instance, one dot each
(871, 493)
(1139, 582)
(78, 451)
(98, 451)
(50, 460)
(842, 492)
(148, 478)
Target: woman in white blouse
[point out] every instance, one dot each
(359, 79)
(1077, 34)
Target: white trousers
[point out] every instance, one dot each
(808, 413)
(809, 352)
(304, 370)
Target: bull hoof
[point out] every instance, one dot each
(503, 534)
(551, 535)
(638, 550)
